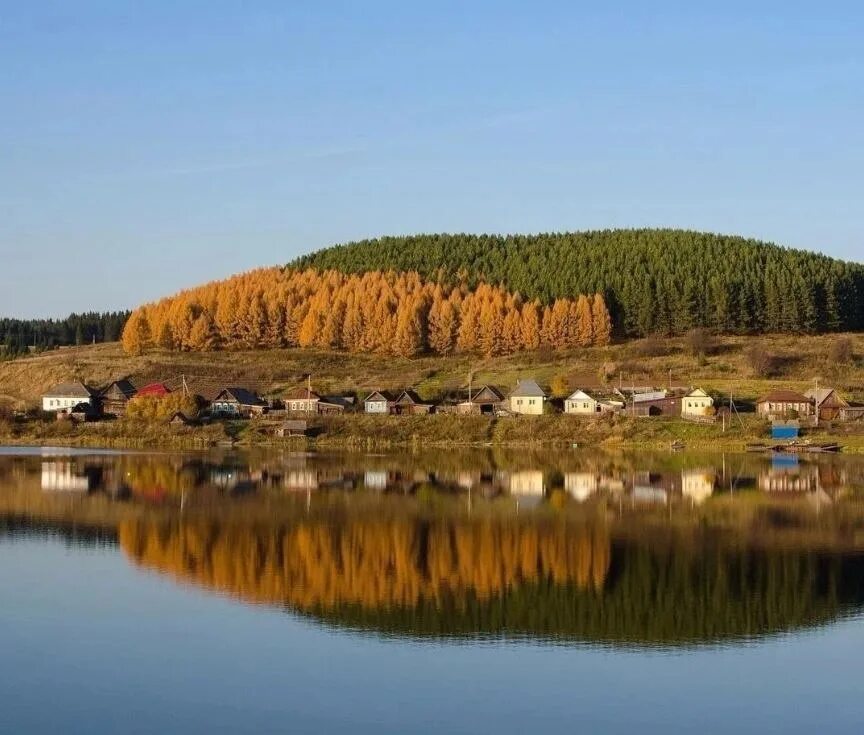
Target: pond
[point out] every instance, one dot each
(457, 591)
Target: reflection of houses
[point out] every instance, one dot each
(697, 403)
(60, 476)
(581, 485)
(583, 402)
(787, 475)
(66, 396)
(698, 485)
(484, 402)
(527, 398)
(375, 479)
(781, 403)
(828, 405)
(527, 482)
(300, 479)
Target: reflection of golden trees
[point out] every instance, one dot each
(372, 563)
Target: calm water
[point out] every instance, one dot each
(478, 591)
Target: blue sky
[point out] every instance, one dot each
(154, 145)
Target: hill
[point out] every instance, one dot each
(655, 280)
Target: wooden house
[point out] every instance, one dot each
(697, 403)
(655, 403)
(378, 402)
(410, 404)
(66, 396)
(295, 427)
(828, 405)
(527, 398)
(116, 397)
(780, 403)
(302, 399)
(484, 401)
(335, 404)
(237, 403)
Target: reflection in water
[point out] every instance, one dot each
(554, 546)
(549, 580)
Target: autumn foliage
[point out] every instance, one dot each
(371, 563)
(375, 312)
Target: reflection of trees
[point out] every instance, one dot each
(415, 577)
(373, 563)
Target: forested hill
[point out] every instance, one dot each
(19, 336)
(655, 281)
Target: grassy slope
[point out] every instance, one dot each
(272, 372)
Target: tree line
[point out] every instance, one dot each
(374, 312)
(20, 336)
(655, 281)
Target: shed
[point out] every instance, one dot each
(116, 396)
(180, 419)
(483, 401)
(785, 430)
(292, 427)
(409, 403)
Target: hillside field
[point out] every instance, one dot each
(796, 361)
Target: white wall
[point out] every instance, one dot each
(62, 403)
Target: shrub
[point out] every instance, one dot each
(699, 342)
(762, 363)
(652, 346)
(841, 352)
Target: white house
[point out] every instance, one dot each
(65, 396)
(697, 403)
(581, 402)
(378, 402)
(527, 398)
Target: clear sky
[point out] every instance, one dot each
(147, 146)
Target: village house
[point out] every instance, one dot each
(780, 403)
(410, 404)
(237, 403)
(697, 403)
(66, 396)
(154, 390)
(485, 401)
(378, 402)
(582, 402)
(302, 399)
(655, 403)
(828, 405)
(116, 397)
(335, 404)
(527, 398)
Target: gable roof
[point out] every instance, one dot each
(70, 390)
(580, 395)
(377, 396)
(155, 389)
(119, 389)
(820, 395)
(409, 397)
(528, 388)
(241, 395)
(784, 396)
(301, 393)
(697, 393)
(487, 394)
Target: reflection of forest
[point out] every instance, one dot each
(556, 580)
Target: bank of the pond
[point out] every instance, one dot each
(361, 431)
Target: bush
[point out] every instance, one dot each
(841, 352)
(762, 363)
(699, 342)
(153, 408)
(652, 346)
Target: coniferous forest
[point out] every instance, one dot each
(19, 336)
(654, 281)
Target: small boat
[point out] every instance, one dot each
(677, 445)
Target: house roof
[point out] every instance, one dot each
(528, 388)
(697, 393)
(376, 396)
(654, 395)
(155, 389)
(410, 397)
(783, 396)
(487, 394)
(122, 387)
(243, 396)
(820, 395)
(70, 390)
(301, 393)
